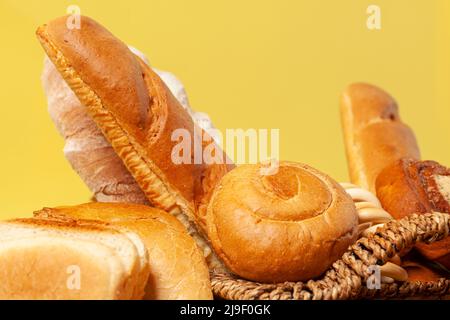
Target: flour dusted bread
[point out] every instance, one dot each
(87, 150)
(177, 269)
(37, 258)
(289, 226)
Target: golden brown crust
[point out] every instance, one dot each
(374, 135)
(61, 225)
(169, 116)
(107, 66)
(135, 111)
(299, 219)
(400, 190)
(123, 132)
(177, 267)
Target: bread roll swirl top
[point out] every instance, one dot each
(291, 194)
(299, 218)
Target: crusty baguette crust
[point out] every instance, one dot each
(374, 135)
(117, 99)
(136, 113)
(290, 226)
(177, 267)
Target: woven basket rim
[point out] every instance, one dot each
(347, 277)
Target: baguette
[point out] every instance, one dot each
(374, 134)
(383, 156)
(87, 150)
(137, 115)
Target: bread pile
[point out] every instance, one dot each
(132, 124)
(159, 227)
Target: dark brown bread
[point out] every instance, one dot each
(410, 186)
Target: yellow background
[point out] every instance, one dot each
(249, 64)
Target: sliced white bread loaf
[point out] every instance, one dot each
(177, 267)
(110, 262)
(47, 267)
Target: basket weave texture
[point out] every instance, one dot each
(347, 277)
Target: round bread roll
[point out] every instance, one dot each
(290, 226)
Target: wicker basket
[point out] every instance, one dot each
(347, 277)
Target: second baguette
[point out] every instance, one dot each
(374, 134)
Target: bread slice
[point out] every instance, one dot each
(41, 267)
(144, 270)
(42, 248)
(177, 266)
